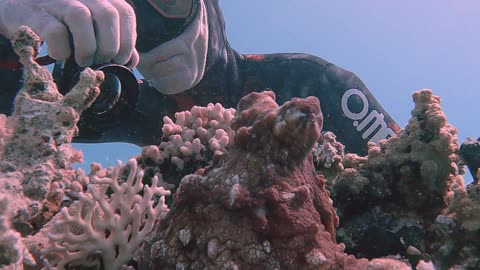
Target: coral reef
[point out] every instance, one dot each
(190, 143)
(13, 253)
(328, 155)
(35, 140)
(259, 187)
(400, 197)
(36, 175)
(112, 225)
(459, 230)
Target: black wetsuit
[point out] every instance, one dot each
(349, 109)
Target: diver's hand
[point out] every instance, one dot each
(102, 30)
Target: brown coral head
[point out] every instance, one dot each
(298, 125)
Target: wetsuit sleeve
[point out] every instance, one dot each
(349, 108)
(10, 76)
(357, 117)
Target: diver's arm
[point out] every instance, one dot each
(10, 76)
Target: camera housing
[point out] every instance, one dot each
(120, 85)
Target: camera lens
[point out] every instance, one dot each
(119, 90)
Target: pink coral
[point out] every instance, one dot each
(201, 128)
(189, 143)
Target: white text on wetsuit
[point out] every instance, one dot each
(362, 119)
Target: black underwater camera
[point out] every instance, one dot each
(120, 87)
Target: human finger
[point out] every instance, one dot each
(79, 21)
(128, 32)
(106, 19)
(52, 31)
(134, 59)
(56, 35)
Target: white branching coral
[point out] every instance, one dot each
(109, 221)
